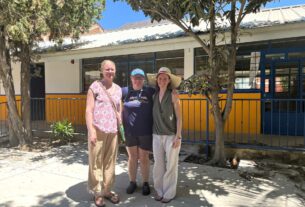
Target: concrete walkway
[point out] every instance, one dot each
(58, 178)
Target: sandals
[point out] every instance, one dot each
(166, 200)
(112, 197)
(158, 198)
(100, 203)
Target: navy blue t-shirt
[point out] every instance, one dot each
(137, 111)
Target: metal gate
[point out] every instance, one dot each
(283, 93)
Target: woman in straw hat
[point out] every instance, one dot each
(167, 126)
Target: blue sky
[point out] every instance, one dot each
(117, 14)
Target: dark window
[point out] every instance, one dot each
(149, 62)
(90, 71)
(171, 59)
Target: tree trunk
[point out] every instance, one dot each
(219, 157)
(25, 91)
(13, 139)
(7, 81)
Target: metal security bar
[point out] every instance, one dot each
(253, 123)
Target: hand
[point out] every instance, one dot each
(175, 93)
(176, 142)
(92, 140)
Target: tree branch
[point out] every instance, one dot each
(241, 14)
(184, 27)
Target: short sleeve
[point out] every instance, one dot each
(94, 87)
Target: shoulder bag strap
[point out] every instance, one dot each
(112, 102)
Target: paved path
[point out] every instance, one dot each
(58, 178)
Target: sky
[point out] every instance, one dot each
(119, 13)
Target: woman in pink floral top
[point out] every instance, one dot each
(102, 126)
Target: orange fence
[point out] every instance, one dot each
(70, 107)
(244, 117)
(3, 107)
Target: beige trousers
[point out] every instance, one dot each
(165, 171)
(102, 158)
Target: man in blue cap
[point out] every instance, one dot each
(137, 120)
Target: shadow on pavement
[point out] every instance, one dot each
(187, 192)
(78, 193)
(198, 185)
(68, 154)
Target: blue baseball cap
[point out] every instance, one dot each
(137, 71)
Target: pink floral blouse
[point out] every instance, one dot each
(104, 117)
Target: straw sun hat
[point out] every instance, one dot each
(174, 80)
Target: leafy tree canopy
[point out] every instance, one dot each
(26, 21)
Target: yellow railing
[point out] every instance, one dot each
(245, 115)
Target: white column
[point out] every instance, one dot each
(188, 62)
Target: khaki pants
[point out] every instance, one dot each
(165, 171)
(102, 158)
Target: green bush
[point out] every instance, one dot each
(62, 130)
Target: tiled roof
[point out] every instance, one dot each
(146, 31)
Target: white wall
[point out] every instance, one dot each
(16, 78)
(62, 76)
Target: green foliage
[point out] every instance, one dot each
(23, 19)
(62, 130)
(73, 17)
(27, 21)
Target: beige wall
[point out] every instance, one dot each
(62, 76)
(16, 78)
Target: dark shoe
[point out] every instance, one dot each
(131, 188)
(145, 189)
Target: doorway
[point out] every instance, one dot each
(283, 96)
(37, 88)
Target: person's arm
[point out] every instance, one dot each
(177, 108)
(89, 117)
(121, 112)
(123, 95)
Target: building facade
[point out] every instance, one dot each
(270, 70)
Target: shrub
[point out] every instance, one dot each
(62, 130)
